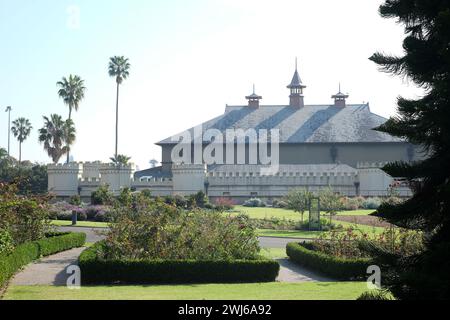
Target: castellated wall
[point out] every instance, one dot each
(237, 182)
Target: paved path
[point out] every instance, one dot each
(290, 272)
(94, 235)
(48, 271)
(52, 270)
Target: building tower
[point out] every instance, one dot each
(296, 87)
(340, 98)
(253, 99)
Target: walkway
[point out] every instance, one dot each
(49, 270)
(52, 270)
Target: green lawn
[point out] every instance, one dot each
(264, 291)
(274, 253)
(262, 213)
(86, 224)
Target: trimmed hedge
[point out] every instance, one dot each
(28, 252)
(96, 271)
(337, 268)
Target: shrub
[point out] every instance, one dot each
(200, 199)
(280, 204)
(146, 193)
(371, 203)
(159, 231)
(334, 267)
(98, 271)
(64, 216)
(102, 196)
(274, 224)
(29, 251)
(125, 198)
(224, 204)
(254, 203)
(350, 204)
(180, 201)
(25, 218)
(75, 200)
(6, 242)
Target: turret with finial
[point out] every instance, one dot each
(296, 86)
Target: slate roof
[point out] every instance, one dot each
(296, 81)
(310, 124)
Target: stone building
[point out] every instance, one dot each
(318, 146)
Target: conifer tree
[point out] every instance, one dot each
(424, 122)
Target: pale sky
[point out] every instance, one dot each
(189, 59)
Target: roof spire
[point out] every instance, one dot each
(296, 86)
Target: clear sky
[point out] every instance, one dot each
(189, 59)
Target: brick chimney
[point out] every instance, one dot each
(253, 99)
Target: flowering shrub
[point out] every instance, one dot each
(160, 231)
(224, 204)
(347, 244)
(22, 218)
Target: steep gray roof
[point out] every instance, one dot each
(296, 81)
(311, 124)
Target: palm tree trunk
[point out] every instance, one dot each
(70, 118)
(20, 153)
(117, 120)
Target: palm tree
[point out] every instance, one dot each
(119, 67)
(21, 130)
(120, 159)
(57, 136)
(71, 90)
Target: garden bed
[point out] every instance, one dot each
(334, 267)
(98, 271)
(30, 251)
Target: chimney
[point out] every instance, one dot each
(253, 99)
(340, 99)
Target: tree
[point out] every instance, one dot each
(3, 154)
(298, 200)
(330, 202)
(57, 136)
(120, 159)
(423, 122)
(72, 91)
(119, 68)
(21, 130)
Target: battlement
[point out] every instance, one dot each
(371, 165)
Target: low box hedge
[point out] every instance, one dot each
(28, 252)
(97, 271)
(334, 267)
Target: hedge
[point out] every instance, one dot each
(28, 252)
(334, 267)
(97, 271)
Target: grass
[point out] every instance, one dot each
(274, 253)
(264, 291)
(267, 213)
(80, 224)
